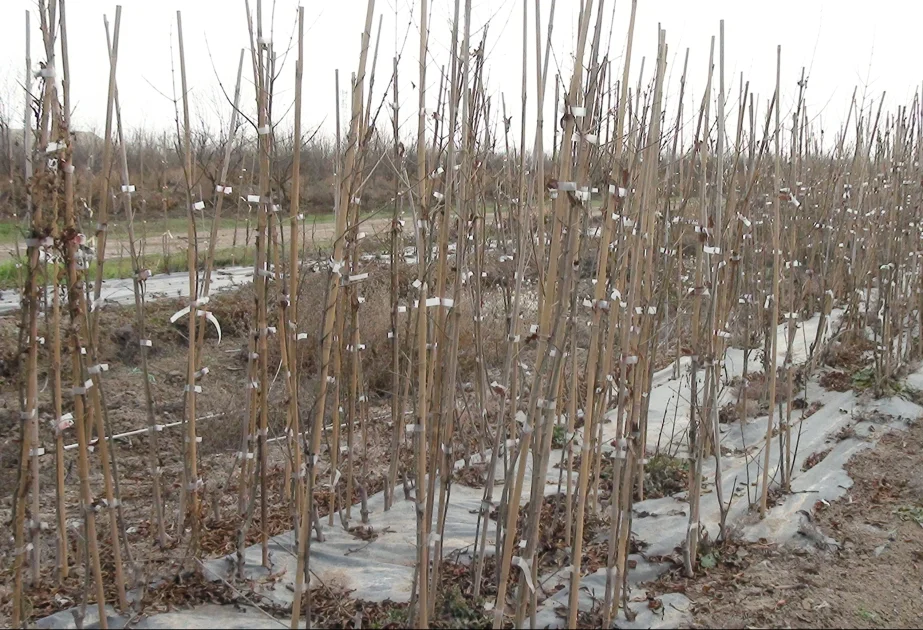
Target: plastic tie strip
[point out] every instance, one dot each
(523, 564)
(621, 192)
(80, 391)
(597, 304)
(437, 301)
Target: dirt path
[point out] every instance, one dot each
(873, 579)
(157, 242)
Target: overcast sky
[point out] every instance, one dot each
(841, 43)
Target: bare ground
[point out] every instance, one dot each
(874, 580)
(154, 243)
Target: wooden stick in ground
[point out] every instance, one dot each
(539, 155)
(63, 115)
(94, 386)
(339, 333)
(249, 433)
(59, 424)
(262, 269)
(193, 483)
(102, 225)
(457, 210)
(221, 190)
(329, 320)
(139, 276)
(697, 434)
(776, 229)
(338, 326)
(565, 300)
(70, 242)
(562, 208)
(614, 201)
(397, 428)
(49, 96)
(29, 412)
(290, 312)
(419, 428)
(442, 400)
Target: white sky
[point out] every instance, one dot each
(842, 43)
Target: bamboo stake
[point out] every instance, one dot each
(394, 334)
(28, 461)
(193, 483)
(290, 301)
(776, 228)
(697, 435)
(139, 275)
(329, 319)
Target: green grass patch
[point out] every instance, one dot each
(154, 227)
(9, 231)
(11, 274)
(867, 615)
(910, 513)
